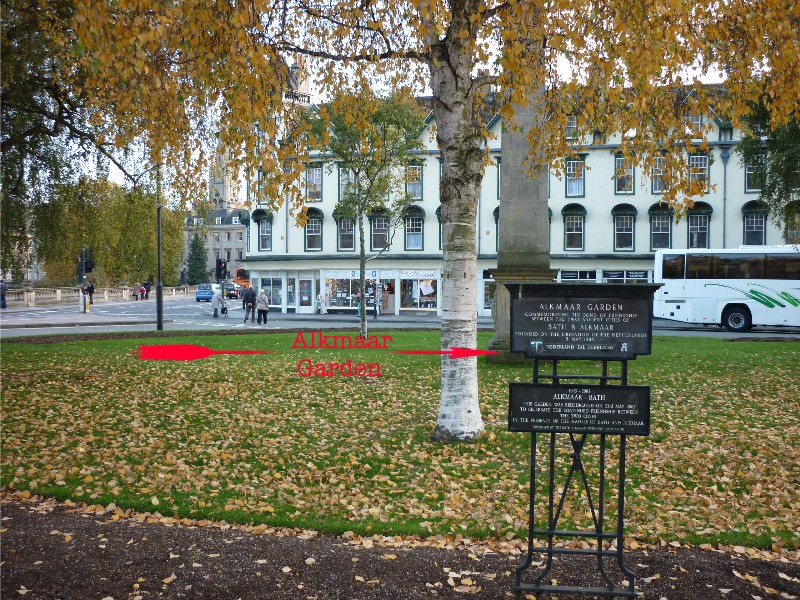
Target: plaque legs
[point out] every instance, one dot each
(542, 540)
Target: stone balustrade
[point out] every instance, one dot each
(29, 296)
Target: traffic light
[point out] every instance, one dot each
(88, 262)
(222, 269)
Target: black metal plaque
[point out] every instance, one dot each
(579, 327)
(579, 409)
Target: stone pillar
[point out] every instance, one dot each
(524, 245)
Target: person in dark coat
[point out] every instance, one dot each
(90, 291)
(250, 304)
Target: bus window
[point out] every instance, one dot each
(698, 266)
(783, 266)
(738, 266)
(672, 266)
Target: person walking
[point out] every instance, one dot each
(90, 291)
(216, 301)
(147, 287)
(250, 304)
(136, 287)
(378, 299)
(262, 305)
(323, 307)
(3, 292)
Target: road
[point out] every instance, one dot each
(187, 314)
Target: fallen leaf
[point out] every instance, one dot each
(170, 579)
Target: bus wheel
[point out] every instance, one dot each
(736, 319)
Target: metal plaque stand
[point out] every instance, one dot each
(555, 505)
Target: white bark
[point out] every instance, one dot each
(462, 172)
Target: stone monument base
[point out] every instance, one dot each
(501, 311)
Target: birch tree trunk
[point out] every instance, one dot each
(462, 171)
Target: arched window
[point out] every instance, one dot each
(624, 216)
(345, 231)
(754, 222)
(699, 221)
(414, 219)
(574, 219)
(379, 230)
(313, 230)
(661, 216)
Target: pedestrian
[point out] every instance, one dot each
(147, 287)
(90, 291)
(3, 292)
(262, 305)
(136, 287)
(216, 301)
(323, 307)
(250, 304)
(142, 293)
(378, 299)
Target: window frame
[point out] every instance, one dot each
(694, 171)
(574, 216)
(372, 231)
(624, 220)
(339, 233)
(413, 182)
(265, 237)
(752, 170)
(624, 165)
(657, 176)
(665, 217)
(580, 163)
(419, 218)
(314, 169)
(571, 128)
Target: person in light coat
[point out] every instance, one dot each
(262, 306)
(216, 302)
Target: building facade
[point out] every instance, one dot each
(225, 237)
(606, 221)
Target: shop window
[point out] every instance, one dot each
(274, 288)
(418, 293)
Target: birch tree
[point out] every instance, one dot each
(182, 75)
(372, 152)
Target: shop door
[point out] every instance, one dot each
(306, 296)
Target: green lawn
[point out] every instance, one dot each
(248, 439)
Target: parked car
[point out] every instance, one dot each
(229, 290)
(239, 289)
(205, 291)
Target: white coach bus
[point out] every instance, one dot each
(735, 289)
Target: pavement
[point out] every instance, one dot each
(45, 317)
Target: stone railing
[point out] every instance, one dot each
(45, 296)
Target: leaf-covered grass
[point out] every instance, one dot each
(246, 438)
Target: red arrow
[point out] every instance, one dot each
(452, 352)
(186, 352)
